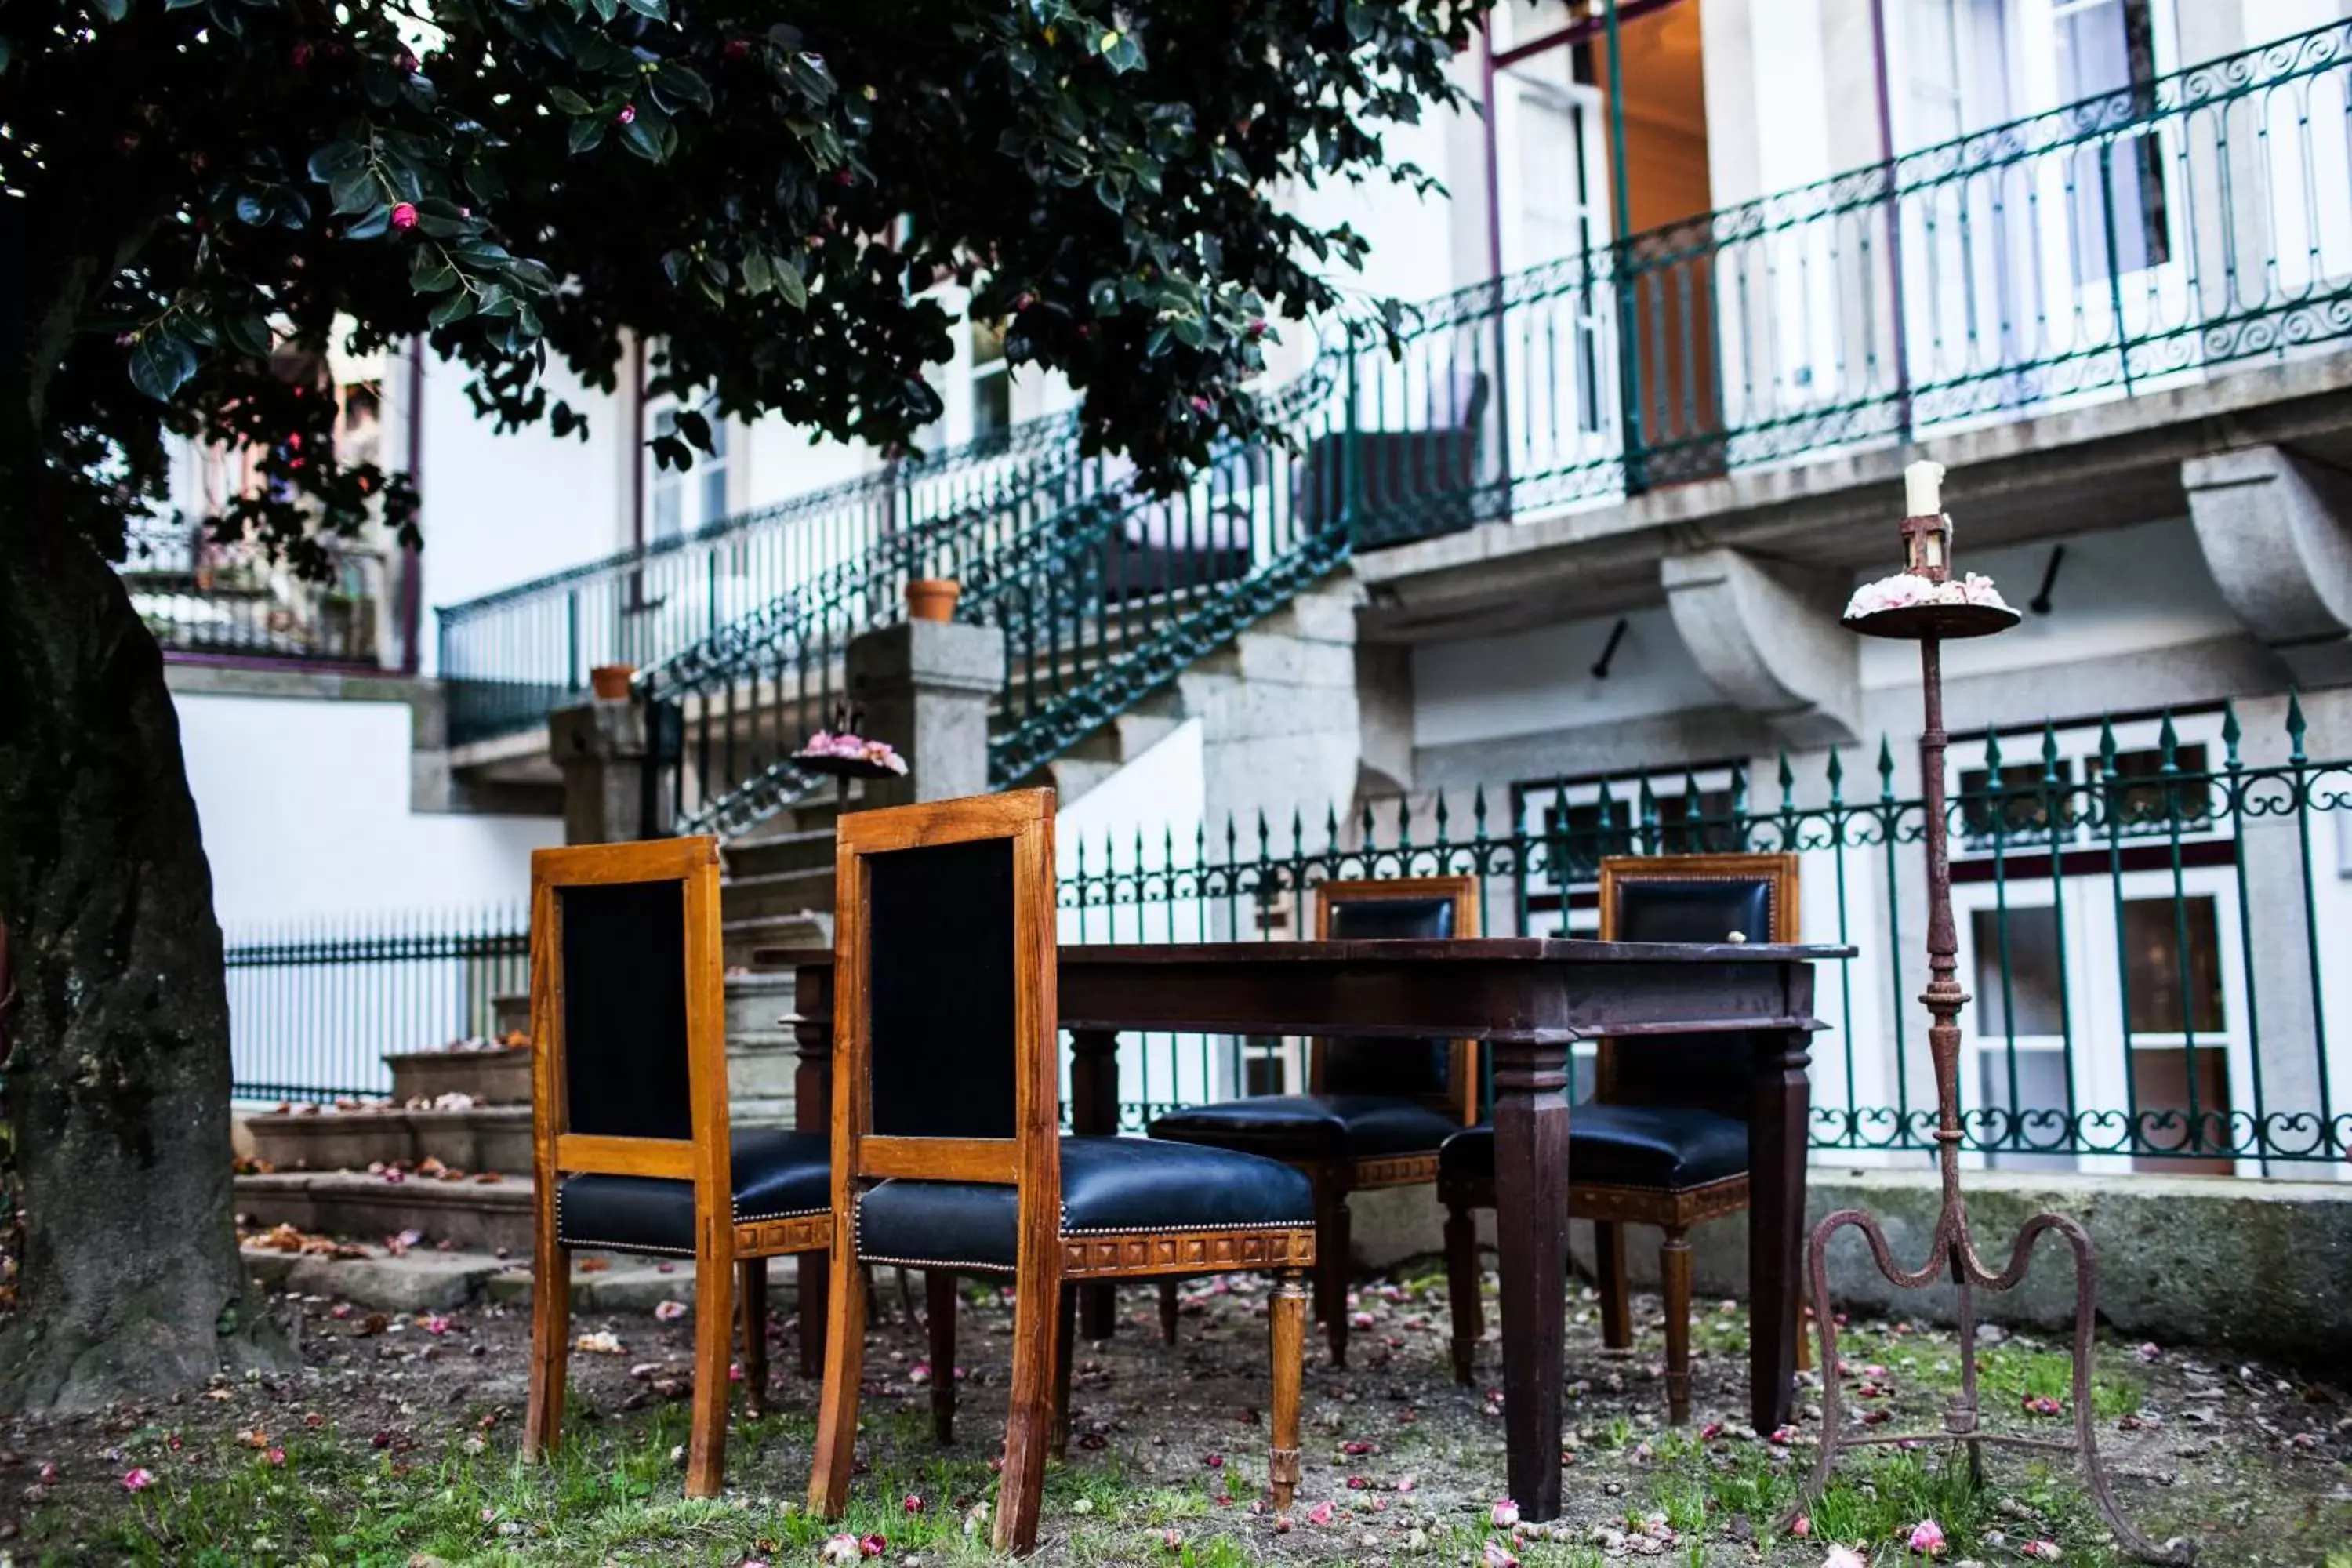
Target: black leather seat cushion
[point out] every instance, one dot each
(1622, 1146)
(1311, 1126)
(1107, 1184)
(777, 1173)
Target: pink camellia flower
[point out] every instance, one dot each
(1710, 1432)
(1319, 1514)
(1214, 1461)
(1200, 404)
(2039, 1550)
(1505, 1513)
(1171, 1540)
(627, 116)
(1845, 1557)
(1928, 1536)
(735, 49)
(840, 1549)
(403, 218)
(138, 1478)
(914, 1503)
(300, 56)
(1800, 1526)
(668, 1311)
(277, 1457)
(1496, 1555)
(436, 1324)
(872, 1545)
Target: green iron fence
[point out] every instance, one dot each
(315, 1005)
(2130, 242)
(2145, 914)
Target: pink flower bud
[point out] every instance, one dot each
(1928, 1536)
(627, 115)
(403, 217)
(299, 55)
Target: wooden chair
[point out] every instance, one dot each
(1665, 1140)
(631, 1147)
(948, 1152)
(1375, 1111)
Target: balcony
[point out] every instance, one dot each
(207, 600)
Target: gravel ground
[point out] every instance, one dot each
(393, 1443)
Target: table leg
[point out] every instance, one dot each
(812, 1113)
(1531, 1187)
(1779, 1111)
(1094, 1111)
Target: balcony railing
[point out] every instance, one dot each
(202, 598)
(2130, 242)
(2134, 241)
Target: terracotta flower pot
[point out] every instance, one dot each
(610, 682)
(933, 598)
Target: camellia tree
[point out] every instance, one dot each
(194, 191)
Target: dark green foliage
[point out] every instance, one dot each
(763, 189)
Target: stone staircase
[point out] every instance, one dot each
(450, 1155)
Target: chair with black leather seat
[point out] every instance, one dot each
(632, 1150)
(1375, 1110)
(1665, 1140)
(948, 1153)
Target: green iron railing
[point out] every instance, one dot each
(2119, 245)
(316, 1004)
(2164, 1002)
(510, 658)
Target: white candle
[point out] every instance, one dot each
(1923, 486)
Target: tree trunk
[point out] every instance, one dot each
(116, 1081)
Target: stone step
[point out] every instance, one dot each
(469, 1214)
(428, 1280)
(779, 894)
(491, 1078)
(486, 1137)
(780, 854)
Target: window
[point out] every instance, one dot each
(678, 502)
(2105, 49)
(992, 382)
(2030, 804)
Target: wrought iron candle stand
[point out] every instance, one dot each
(1952, 1254)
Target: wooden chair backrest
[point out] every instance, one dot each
(1690, 897)
(628, 1014)
(945, 1017)
(1446, 1079)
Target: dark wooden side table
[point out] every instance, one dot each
(1529, 999)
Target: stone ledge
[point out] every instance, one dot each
(2210, 1260)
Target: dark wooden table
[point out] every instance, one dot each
(1529, 999)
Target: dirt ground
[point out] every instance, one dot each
(394, 1442)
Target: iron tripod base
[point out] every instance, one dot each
(1953, 1256)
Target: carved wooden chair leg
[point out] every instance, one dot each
(714, 1343)
(1461, 1286)
(1286, 1320)
(844, 1365)
(1674, 1272)
(1066, 1335)
(939, 1307)
(906, 1297)
(1029, 1423)
(751, 1286)
(551, 1345)
(1168, 1311)
(1609, 1271)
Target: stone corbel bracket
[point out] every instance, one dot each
(2274, 527)
(1767, 637)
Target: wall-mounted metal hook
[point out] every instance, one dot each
(2040, 603)
(1608, 654)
